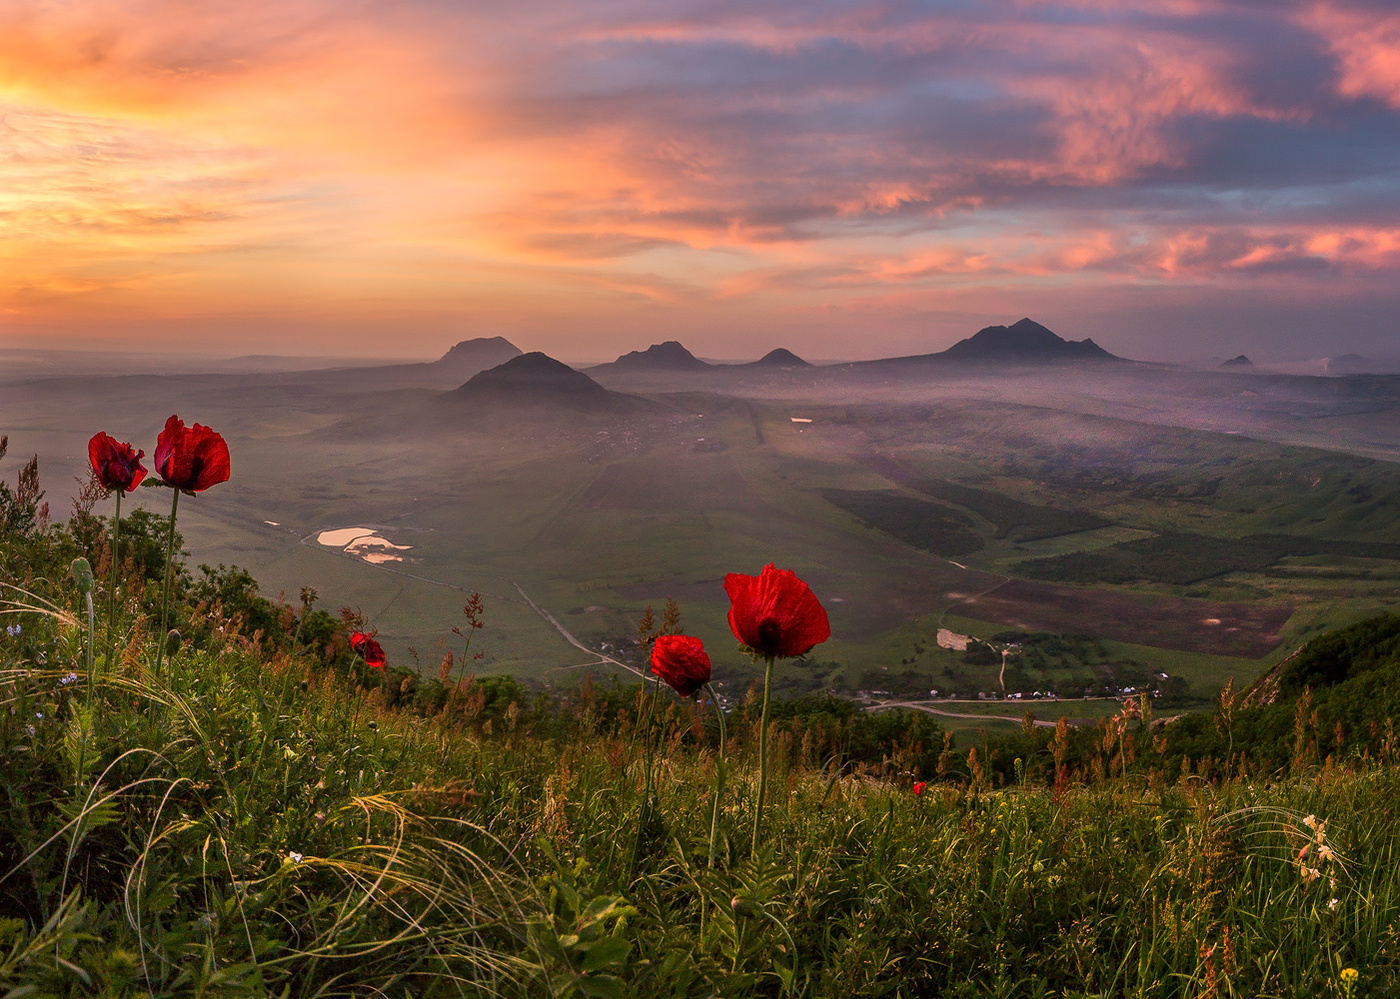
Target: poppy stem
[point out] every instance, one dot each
(165, 594)
(112, 584)
(763, 751)
(644, 814)
(719, 775)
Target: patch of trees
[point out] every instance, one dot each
(1026, 521)
(930, 527)
(1182, 559)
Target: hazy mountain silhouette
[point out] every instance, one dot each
(779, 358)
(450, 370)
(1240, 361)
(472, 356)
(667, 356)
(1356, 364)
(1025, 340)
(535, 381)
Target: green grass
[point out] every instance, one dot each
(251, 821)
(227, 833)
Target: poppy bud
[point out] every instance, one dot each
(82, 575)
(172, 641)
(744, 907)
(304, 685)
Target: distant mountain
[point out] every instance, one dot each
(667, 356)
(1025, 340)
(450, 370)
(1355, 364)
(779, 358)
(534, 380)
(471, 356)
(1237, 362)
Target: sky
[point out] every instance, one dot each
(1175, 178)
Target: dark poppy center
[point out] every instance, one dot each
(769, 635)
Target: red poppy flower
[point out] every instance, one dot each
(191, 459)
(775, 614)
(919, 788)
(367, 647)
(116, 465)
(681, 662)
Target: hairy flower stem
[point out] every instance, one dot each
(111, 642)
(719, 776)
(165, 594)
(645, 814)
(762, 751)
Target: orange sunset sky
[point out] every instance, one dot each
(1172, 177)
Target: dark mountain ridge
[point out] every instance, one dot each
(781, 357)
(670, 355)
(535, 380)
(1025, 342)
(1025, 339)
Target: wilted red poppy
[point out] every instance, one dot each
(681, 662)
(919, 788)
(116, 465)
(191, 459)
(367, 647)
(775, 613)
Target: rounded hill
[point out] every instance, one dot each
(668, 356)
(533, 379)
(1025, 340)
(779, 358)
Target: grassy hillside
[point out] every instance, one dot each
(263, 814)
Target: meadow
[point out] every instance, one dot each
(248, 808)
(256, 817)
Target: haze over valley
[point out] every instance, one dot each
(1189, 524)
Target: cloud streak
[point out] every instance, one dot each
(283, 170)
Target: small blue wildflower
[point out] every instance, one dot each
(12, 630)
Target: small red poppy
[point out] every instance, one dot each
(775, 613)
(369, 648)
(681, 662)
(919, 787)
(116, 464)
(191, 459)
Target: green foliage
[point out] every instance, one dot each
(269, 817)
(1182, 559)
(20, 512)
(1022, 521)
(143, 543)
(1339, 655)
(930, 527)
